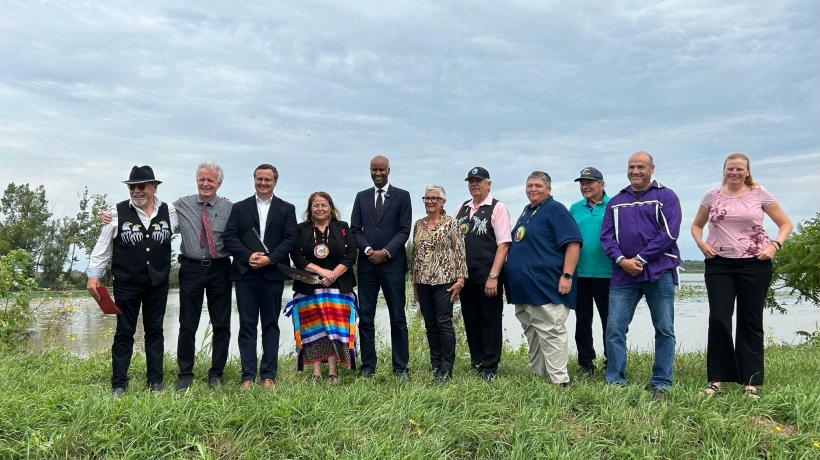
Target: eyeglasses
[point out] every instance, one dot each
(431, 199)
(137, 186)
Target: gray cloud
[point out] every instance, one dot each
(317, 88)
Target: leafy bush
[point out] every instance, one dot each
(16, 287)
(797, 269)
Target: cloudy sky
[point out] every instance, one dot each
(89, 89)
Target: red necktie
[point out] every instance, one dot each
(207, 235)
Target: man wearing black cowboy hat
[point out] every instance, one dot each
(137, 242)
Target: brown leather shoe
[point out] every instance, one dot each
(246, 385)
(269, 384)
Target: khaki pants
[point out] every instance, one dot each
(546, 332)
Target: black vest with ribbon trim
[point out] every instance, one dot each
(479, 239)
(142, 255)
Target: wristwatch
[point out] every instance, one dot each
(493, 276)
(567, 275)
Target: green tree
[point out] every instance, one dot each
(797, 269)
(24, 219)
(55, 253)
(88, 221)
(797, 265)
(66, 237)
(16, 287)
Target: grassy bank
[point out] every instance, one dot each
(57, 405)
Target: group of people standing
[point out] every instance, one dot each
(602, 252)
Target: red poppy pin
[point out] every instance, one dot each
(344, 232)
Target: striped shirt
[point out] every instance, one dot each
(189, 213)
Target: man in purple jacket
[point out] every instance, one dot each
(639, 233)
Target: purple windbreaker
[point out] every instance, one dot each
(646, 228)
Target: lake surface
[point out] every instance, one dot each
(77, 325)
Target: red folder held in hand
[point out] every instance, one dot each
(106, 304)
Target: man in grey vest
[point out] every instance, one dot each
(485, 223)
(137, 242)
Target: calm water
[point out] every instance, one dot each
(77, 325)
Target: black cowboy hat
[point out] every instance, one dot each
(141, 175)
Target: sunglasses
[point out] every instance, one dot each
(138, 186)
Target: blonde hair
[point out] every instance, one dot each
(749, 181)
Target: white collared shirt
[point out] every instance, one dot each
(376, 198)
(262, 207)
(376, 193)
(104, 248)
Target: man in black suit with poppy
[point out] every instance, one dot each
(260, 233)
(381, 221)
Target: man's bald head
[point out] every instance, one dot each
(639, 170)
(379, 170)
(645, 156)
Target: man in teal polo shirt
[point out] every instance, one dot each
(594, 267)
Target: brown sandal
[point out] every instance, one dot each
(711, 389)
(334, 379)
(751, 392)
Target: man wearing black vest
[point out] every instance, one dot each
(138, 244)
(260, 233)
(485, 223)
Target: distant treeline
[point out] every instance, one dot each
(692, 266)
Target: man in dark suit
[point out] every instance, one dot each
(260, 233)
(381, 222)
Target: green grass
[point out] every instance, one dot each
(57, 405)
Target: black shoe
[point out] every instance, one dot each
(156, 387)
(117, 392)
(402, 376)
(658, 394)
(214, 382)
(442, 376)
(487, 376)
(368, 373)
(588, 370)
(184, 383)
(562, 385)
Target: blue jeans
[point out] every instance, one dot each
(660, 296)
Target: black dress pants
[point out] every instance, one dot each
(747, 281)
(130, 298)
(437, 310)
(195, 282)
(590, 289)
(482, 323)
(259, 301)
(392, 286)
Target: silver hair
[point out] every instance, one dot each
(541, 175)
(212, 165)
(438, 188)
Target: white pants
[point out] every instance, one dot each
(546, 332)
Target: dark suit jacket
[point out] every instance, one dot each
(389, 232)
(342, 249)
(280, 235)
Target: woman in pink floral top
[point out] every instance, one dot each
(738, 266)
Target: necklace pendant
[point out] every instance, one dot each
(519, 234)
(321, 251)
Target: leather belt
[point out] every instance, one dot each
(202, 262)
